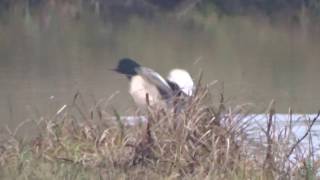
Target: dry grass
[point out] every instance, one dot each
(201, 142)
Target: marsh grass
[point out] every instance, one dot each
(203, 141)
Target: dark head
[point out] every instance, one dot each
(127, 67)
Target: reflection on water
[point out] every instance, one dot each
(255, 61)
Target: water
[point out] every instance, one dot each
(45, 60)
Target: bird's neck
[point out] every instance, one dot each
(131, 75)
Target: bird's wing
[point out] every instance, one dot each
(175, 87)
(156, 79)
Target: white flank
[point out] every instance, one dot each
(183, 79)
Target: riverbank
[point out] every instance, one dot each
(205, 141)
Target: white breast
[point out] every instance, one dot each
(139, 88)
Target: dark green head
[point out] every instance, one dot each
(127, 67)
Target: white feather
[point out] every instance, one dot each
(183, 79)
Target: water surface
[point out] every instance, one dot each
(44, 62)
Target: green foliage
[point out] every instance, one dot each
(309, 170)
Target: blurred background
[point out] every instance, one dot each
(258, 50)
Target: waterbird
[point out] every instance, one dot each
(145, 85)
(148, 86)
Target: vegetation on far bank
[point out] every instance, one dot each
(285, 11)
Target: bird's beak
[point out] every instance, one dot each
(115, 70)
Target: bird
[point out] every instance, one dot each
(147, 87)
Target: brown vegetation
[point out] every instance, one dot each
(202, 142)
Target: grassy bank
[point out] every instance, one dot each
(205, 141)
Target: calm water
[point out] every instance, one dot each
(45, 62)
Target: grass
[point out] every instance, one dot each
(204, 141)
